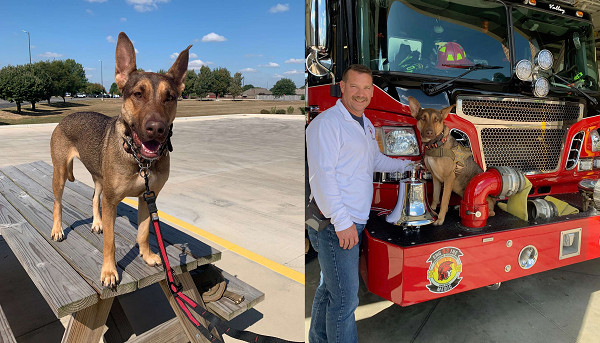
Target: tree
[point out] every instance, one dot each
(190, 82)
(246, 87)
(161, 71)
(284, 87)
(221, 81)
(204, 82)
(24, 83)
(55, 73)
(94, 88)
(76, 80)
(114, 89)
(235, 87)
(66, 76)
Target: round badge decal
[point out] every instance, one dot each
(444, 270)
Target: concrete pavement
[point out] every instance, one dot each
(239, 177)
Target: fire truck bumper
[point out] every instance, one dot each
(412, 266)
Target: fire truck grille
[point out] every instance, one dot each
(521, 111)
(529, 150)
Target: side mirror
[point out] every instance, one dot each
(316, 36)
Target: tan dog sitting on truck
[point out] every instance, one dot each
(449, 162)
(110, 149)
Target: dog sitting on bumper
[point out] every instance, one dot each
(450, 163)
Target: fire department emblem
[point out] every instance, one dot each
(444, 270)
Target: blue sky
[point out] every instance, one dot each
(263, 39)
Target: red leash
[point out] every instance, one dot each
(184, 302)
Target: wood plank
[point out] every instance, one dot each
(87, 325)
(6, 334)
(62, 287)
(126, 252)
(119, 327)
(167, 332)
(203, 253)
(125, 228)
(190, 290)
(80, 254)
(226, 308)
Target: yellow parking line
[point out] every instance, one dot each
(274, 266)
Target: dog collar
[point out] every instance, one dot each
(438, 141)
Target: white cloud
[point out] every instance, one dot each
(280, 8)
(249, 70)
(270, 65)
(295, 60)
(278, 75)
(89, 11)
(88, 68)
(123, 19)
(253, 55)
(99, 1)
(111, 39)
(197, 64)
(175, 54)
(213, 37)
(49, 54)
(293, 72)
(145, 5)
(136, 50)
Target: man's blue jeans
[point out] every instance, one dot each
(336, 298)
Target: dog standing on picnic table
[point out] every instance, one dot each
(114, 149)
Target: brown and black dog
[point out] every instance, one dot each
(449, 162)
(100, 142)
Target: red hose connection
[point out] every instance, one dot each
(497, 181)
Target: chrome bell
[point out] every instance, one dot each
(412, 208)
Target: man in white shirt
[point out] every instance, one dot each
(342, 155)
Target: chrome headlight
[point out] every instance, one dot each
(595, 137)
(524, 70)
(400, 141)
(544, 59)
(541, 87)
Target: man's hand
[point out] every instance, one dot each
(348, 238)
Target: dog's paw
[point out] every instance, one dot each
(57, 234)
(109, 276)
(152, 259)
(491, 213)
(439, 221)
(434, 205)
(97, 227)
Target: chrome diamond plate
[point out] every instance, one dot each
(520, 110)
(529, 150)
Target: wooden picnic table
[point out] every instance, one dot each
(67, 273)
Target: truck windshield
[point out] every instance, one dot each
(429, 37)
(570, 40)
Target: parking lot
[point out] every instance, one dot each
(238, 177)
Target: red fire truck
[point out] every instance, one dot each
(524, 79)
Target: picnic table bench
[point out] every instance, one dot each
(67, 273)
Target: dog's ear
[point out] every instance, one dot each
(446, 110)
(125, 60)
(179, 68)
(414, 105)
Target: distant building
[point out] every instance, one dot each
(253, 92)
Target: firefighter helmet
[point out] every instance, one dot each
(451, 53)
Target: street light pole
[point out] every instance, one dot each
(28, 43)
(101, 80)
